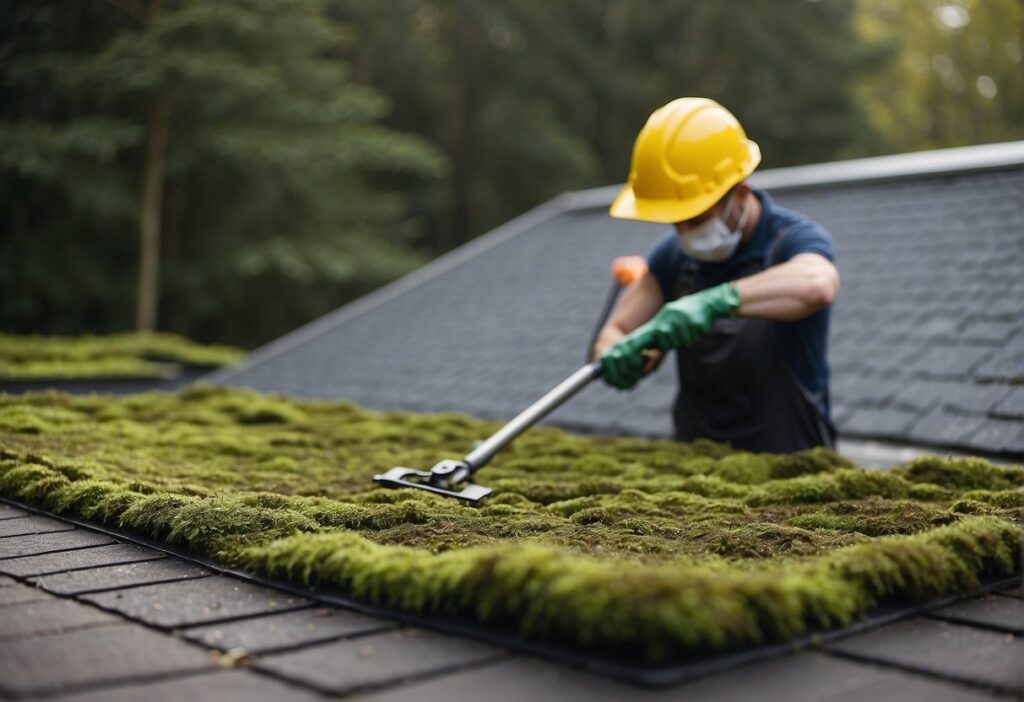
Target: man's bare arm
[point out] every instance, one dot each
(638, 304)
(789, 291)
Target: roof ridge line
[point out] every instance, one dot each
(960, 159)
(364, 303)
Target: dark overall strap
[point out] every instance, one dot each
(735, 386)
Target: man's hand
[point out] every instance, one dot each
(678, 323)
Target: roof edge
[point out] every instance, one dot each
(961, 159)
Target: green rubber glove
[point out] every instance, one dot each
(678, 323)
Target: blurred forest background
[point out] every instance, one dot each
(231, 170)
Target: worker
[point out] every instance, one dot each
(740, 288)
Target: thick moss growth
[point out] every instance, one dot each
(649, 547)
(128, 355)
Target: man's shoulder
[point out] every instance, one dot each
(785, 218)
(796, 233)
(665, 260)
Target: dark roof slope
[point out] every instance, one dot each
(928, 334)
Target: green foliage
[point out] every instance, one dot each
(955, 75)
(317, 149)
(533, 98)
(271, 181)
(644, 548)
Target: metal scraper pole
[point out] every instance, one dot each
(483, 453)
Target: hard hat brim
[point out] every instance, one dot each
(628, 206)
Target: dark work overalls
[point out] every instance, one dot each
(735, 385)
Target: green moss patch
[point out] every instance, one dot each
(128, 355)
(650, 548)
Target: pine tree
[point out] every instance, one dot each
(232, 132)
(533, 98)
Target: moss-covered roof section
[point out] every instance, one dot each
(127, 355)
(626, 545)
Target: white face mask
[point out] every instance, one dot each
(712, 240)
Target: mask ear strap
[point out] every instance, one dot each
(732, 199)
(743, 216)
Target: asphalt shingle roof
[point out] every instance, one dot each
(928, 335)
(170, 632)
(927, 342)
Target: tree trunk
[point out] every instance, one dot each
(152, 208)
(461, 215)
(175, 320)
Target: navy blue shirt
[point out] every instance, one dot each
(781, 234)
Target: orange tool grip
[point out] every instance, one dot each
(627, 269)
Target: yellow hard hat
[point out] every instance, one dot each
(687, 156)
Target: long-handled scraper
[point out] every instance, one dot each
(446, 475)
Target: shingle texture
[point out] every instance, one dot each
(965, 651)
(927, 341)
